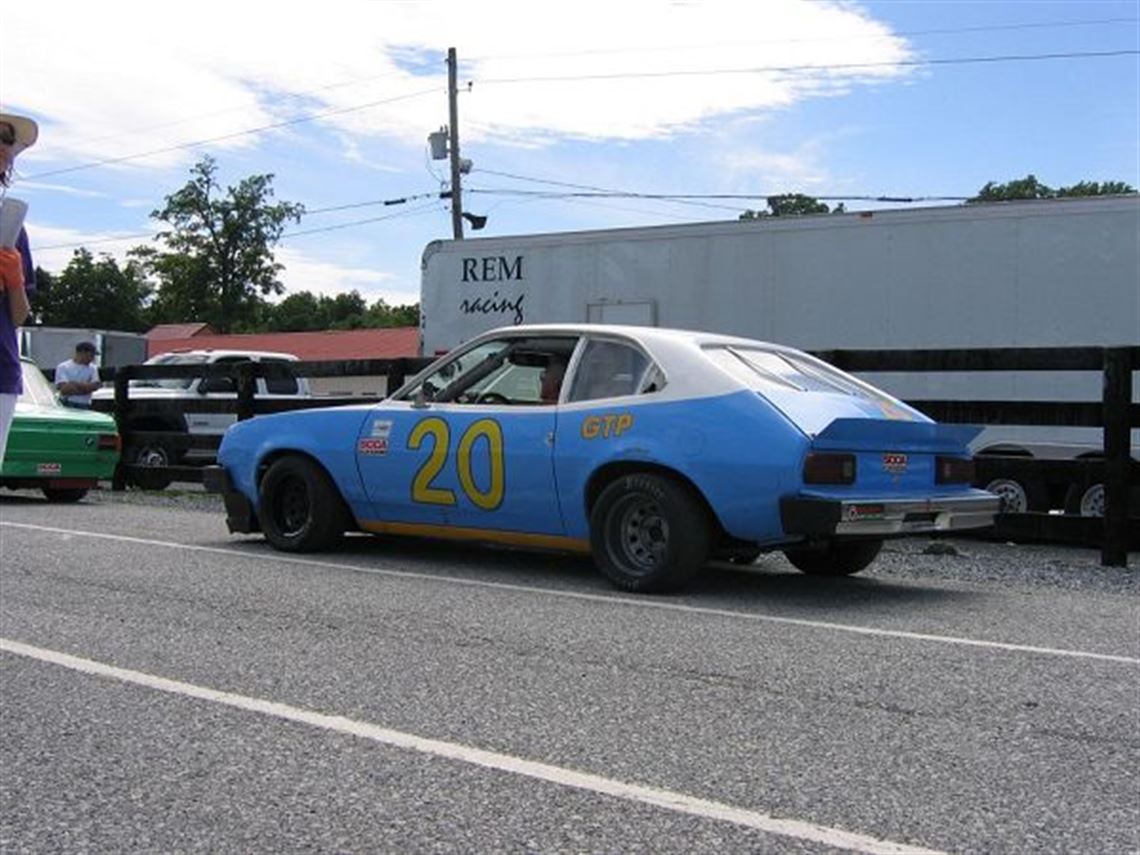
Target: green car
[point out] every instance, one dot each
(62, 451)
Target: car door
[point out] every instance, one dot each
(471, 447)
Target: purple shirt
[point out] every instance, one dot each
(10, 378)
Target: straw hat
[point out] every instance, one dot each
(26, 131)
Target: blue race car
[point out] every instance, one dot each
(652, 449)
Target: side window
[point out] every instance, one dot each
(510, 371)
(282, 381)
(609, 369)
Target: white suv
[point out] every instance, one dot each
(156, 452)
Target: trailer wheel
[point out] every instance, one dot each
(153, 454)
(1018, 497)
(649, 533)
(843, 558)
(1087, 499)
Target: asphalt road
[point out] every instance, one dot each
(167, 687)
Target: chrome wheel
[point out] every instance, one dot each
(1014, 498)
(1092, 501)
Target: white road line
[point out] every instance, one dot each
(614, 599)
(666, 799)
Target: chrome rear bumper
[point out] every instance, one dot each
(817, 517)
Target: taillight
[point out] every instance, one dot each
(109, 442)
(822, 468)
(954, 470)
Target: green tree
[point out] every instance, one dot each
(298, 312)
(1096, 188)
(380, 314)
(93, 292)
(792, 205)
(1030, 188)
(215, 262)
(345, 311)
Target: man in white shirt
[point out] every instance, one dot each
(77, 378)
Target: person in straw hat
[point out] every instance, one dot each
(17, 275)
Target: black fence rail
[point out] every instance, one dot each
(1115, 413)
(1115, 534)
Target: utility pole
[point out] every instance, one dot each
(453, 131)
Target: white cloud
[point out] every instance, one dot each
(118, 78)
(53, 248)
(801, 169)
(305, 273)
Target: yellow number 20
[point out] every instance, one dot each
(437, 429)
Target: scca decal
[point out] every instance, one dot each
(606, 426)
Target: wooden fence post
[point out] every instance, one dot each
(1117, 396)
(120, 412)
(246, 386)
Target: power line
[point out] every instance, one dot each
(848, 66)
(198, 143)
(811, 39)
(554, 183)
(398, 201)
(411, 212)
(681, 196)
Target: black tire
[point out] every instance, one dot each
(1086, 498)
(62, 495)
(649, 533)
(153, 454)
(300, 508)
(843, 558)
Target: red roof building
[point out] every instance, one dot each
(321, 346)
(165, 331)
(385, 343)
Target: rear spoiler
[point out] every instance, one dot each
(892, 435)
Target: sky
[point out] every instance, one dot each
(926, 99)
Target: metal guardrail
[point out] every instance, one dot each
(1115, 534)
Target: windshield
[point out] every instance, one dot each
(37, 390)
(172, 359)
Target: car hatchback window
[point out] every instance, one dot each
(778, 371)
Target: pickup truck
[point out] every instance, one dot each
(159, 452)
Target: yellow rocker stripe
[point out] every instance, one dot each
(487, 535)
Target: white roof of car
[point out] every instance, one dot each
(213, 354)
(678, 352)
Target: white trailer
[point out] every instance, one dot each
(1046, 273)
(49, 346)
